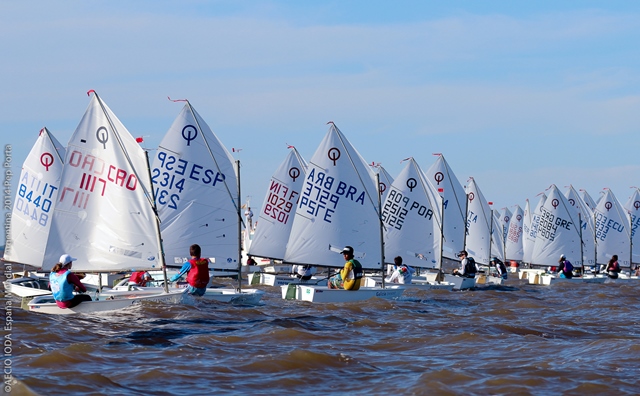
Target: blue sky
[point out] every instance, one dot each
(518, 95)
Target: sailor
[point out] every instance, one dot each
(613, 268)
(468, 267)
(350, 276)
(140, 278)
(304, 272)
(402, 273)
(500, 267)
(197, 270)
(565, 268)
(63, 282)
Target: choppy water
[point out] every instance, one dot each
(520, 339)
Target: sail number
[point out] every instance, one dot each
(33, 205)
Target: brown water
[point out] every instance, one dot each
(520, 339)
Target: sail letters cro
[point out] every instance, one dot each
(171, 176)
(321, 194)
(96, 174)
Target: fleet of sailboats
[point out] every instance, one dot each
(101, 200)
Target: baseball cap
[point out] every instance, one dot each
(66, 259)
(462, 252)
(347, 250)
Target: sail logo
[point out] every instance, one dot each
(46, 159)
(102, 135)
(189, 133)
(333, 154)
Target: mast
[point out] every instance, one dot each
(581, 253)
(382, 265)
(157, 224)
(239, 231)
(440, 274)
(490, 239)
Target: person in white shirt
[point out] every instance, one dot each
(304, 272)
(402, 273)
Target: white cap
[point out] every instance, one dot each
(66, 259)
(562, 256)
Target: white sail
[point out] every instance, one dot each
(279, 208)
(612, 230)
(497, 237)
(514, 248)
(449, 188)
(35, 201)
(196, 192)
(586, 217)
(533, 229)
(337, 207)
(504, 218)
(586, 198)
(633, 207)
(478, 241)
(557, 231)
(385, 180)
(409, 215)
(104, 215)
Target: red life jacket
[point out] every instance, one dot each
(198, 276)
(138, 278)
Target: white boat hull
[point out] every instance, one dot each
(420, 283)
(260, 278)
(460, 283)
(322, 294)
(47, 305)
(224, 295)
(27, 286)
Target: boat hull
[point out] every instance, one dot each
(47, 305)
(459, 282)
(260, 278)
(322, 294)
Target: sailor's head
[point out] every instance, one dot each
(463, 253)
(66, 260)
(347, 251)
(562, 257)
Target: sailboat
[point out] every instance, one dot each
(197, 191)
(480, 233)
(411, 217)
(558, 234)
(513, 244)
(447, 185)
(588, 228)
(104, 214)
(33, 208)
(276, 217)
(339, 205)
(612, 230)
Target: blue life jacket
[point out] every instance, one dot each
(61, 289)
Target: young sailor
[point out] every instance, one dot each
(402, 273)
(63, 282)
(304, 272)
(468, 267)
(565, 268)
(500, 267)
(350, 276)
(197, 270)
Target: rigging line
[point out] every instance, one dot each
(147, 194)
(236, 206)
(356, 169)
